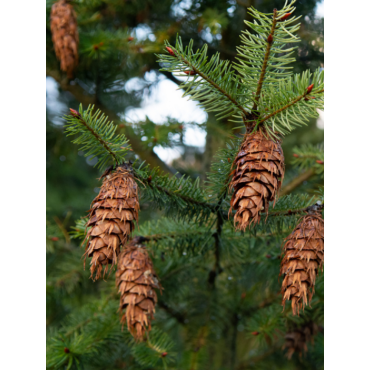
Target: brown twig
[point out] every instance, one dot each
(265, 60)
(294, 101)
(304, 176)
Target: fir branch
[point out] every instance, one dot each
(97, 136)
(213, 83)
(264, 65)
(304, 176)
(296, 100)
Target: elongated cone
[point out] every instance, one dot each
(63, 25)
(303, 257)
(112, 217)
(136, 281)
(296, 340)
(257, 178)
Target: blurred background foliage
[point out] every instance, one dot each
(118, 73)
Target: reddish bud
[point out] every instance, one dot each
(130, 38)
(149, 179)
(170, 51)
(268, 255)
(255, 332)
(164, 354)
(296, 155)
(155, 139)
(54, 238)
(66, 350)
(74, 113)
(319, 162)
(181, 127)
(270, 39)
(243, 295)
(309, 88)
(191, 73)
(285, 16)
(101, 43)
(96, 47)
(121, 125)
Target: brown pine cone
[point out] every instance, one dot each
(303, 257)
(296, 340)
(63, 25)
(257, 178)
(112, 217)
(136, 280)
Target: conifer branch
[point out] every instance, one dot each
(269, 40)
(304, 176)
(214, 84)
(294, 101)
(97, 136)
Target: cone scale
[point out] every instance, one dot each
(257, 178)
(112, 217)
(303, 257)
(136, 281)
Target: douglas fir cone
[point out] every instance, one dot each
(112, 216)
(63, 25)
(136, 280)
(303, 257)
(257, 178)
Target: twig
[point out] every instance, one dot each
(294, 101)
(264, 65)
(211, 82)
(304, 176)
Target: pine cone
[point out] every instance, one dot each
(112, 216)
(257, 178)
(63, 25)
(136, 280)
(304, 256)
(297, 339)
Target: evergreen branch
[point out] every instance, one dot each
(264, 65)
(97, 136)
(309, 156)
(212, 83)
(297, 181)
(296, 100)
(290, 212)
(178, 196)
(291, 103)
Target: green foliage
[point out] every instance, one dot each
(306, 157)
(180, 197)
(251, 54)
(214, 83)
(219, 285)
(97, 136)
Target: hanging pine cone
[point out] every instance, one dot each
(303, 257)
(257, 178)
(136, 280)
(63, 25)
(112, 217)
(296, 340)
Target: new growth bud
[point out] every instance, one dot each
(255, 332)
(74, 113)
(170, 51)
(191, 73)
(270, 39)
(285, 17)
(130, 38)
(309, 88)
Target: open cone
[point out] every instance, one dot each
(63, 25)
(112, 217)
(303, 257)
(257, 178)
(136, 281)
(297, 339)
